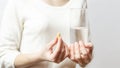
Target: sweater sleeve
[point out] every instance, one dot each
(10, 36)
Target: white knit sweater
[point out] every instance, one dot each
(28, 25)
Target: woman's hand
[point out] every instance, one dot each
(56, 51)
(81, 53)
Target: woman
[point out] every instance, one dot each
(27, 30)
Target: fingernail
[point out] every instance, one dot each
(90, 44)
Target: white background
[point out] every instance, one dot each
(104, 16)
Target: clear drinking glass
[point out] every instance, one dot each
(78, 25)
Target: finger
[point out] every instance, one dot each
(85, 59)
(57, 49)
(89, 47)
(52, 43)
(77, 51)
(83, 62)
(72, 52)
(84, 53)
(61, 54)
(89, 53)
(89, 44)
(67, 51)
(82, 48)
(89, 57)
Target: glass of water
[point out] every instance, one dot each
(79, 30)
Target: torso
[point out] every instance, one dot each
(41, 24)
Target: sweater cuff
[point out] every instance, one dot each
(9, 59)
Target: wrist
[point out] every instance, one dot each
(39, 56)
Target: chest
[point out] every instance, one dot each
(41, 20)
